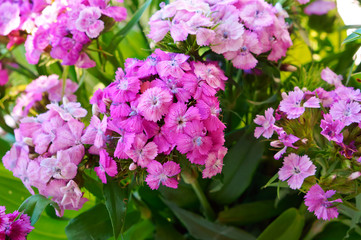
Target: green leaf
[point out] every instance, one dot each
(93, 224)
(248, 213)
(140, 231)
(119, 36)
(202, 229)
(288, 226)
(35, 205)
(239, 165)
(115, 200)
(353, 36)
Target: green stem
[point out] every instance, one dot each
(65, 75)
(208, 211)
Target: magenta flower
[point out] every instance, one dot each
(124, 89)
(296, 169)
(317, 201)
(172, 64)
(267, 124)
(347, 112)
(331, 129)
(10, 19)
(88, 22)
(142, 152)
(159, 173)
(154, 103)
(18, 227)
(4, 220)
(285, 140)
(106, 165)
(214, 163)
(291, 103)
(179, 116)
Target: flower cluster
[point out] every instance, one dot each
(14, 225)
(325, 125)
(159, 105)
(49, 147)
(45, 88)
(61, 28)
(238, 30)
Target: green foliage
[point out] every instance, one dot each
(288, 226)
(356, 35)
(35, 205)
(92, 224)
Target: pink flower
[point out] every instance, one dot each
(4, 220)
(172, 64)
(267, 124)
(214, 163)
(303, 1)
(285, 141)
(332, 78)
(331, 129)
(72, 196)
(10, 19)
(159, 173)
(106, 165)
(154, 103)
(4, 76)
(211, 74)
(296, 169)
(68, 110)
(18, 227)
(291, 103)
(317, 201)
(124, 89)
(142, 152)
(228, 37)
(60, 167)
(88, 22)
(179, 116)
(319, 7)
(347, 112)
(95, 132)
(256, 14)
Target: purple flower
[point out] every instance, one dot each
(106, 165)
(319, 8)
(159, 173)
(296, 169)
(267, 124)
(332, 129)
(291, 103)
(347, 112)
(18, 229)
(328, 75)
(4, 220)
(317, 201)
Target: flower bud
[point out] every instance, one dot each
(28, 141)
(133, 166)
(354, 175)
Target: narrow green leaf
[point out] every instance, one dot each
(140, 231)
(35, 205)
(239, 165)
(119, 36)
(116, 198)
(288, 226)
(93, 224)
(271, 181)
(202, 229)
(353, 36)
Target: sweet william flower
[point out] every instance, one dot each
(214, 163)
(106, 165)
(142, 152)
(9, 17)
(18, 227)
(317, 201)
(267, 124)
(95, 132)
(159, 173)
(332, 78)
(331, 129)
(296, 168)
(88, 22)
(347, 112)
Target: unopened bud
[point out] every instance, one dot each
(132, 166)
(276, 144)
(95, 109)
(304, 141)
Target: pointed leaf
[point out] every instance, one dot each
(288, 226)
(35, 205)
(92, 224)
(116, 198)
(203, 229)
(353, 36)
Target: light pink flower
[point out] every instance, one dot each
(267, 124)
(347, 112)
(296, 168)
(214, 163)
(72, 196)
(159, 173)
(88, 22)
(319, 7)
(95, 132)
(10, 19)
(332, 78)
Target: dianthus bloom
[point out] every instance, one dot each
(159, 173)
(317, 201)
(296, 169)
(240, 30)
(267, 124)
(13, 226)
